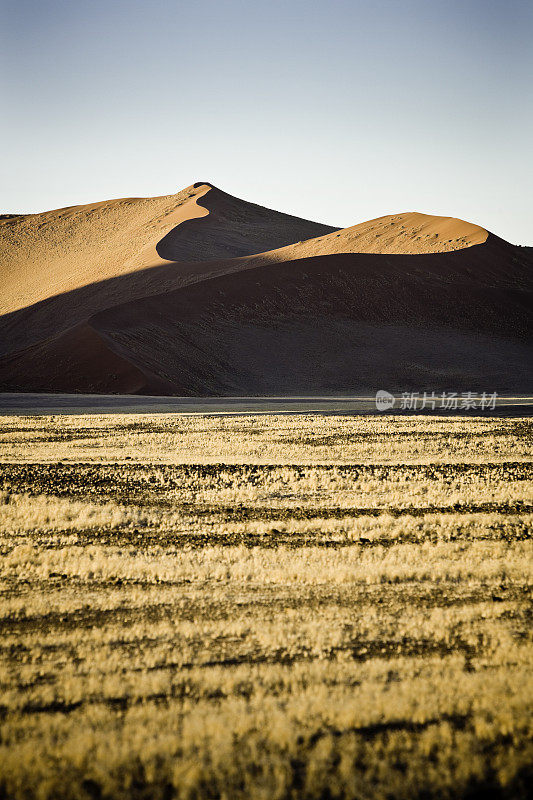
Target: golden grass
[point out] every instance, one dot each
(289, 607)
(262, 439)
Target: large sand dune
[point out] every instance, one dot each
(203, 293)
(43, 255)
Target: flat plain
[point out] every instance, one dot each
(265, 606)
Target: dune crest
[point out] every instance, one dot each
(410, 233)
(233, 228)
(48, 254)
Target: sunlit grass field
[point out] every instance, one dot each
(292, 606)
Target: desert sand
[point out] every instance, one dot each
(201, 293)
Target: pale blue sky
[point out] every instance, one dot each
(337, 111)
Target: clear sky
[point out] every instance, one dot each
(337, 110)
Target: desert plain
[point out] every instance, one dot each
(265, 606)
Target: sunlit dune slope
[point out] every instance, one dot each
(409, 233)
(43, 255)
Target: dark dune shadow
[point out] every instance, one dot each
(56, 314)
(233, 229)
(348, 323)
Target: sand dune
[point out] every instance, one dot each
(47, 254)
(408, 233)
(334, 323)
(203, 293)
(43, 255)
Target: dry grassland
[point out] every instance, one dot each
(265, 607)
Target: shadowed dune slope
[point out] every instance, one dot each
(349, 323)
(345, 323)
(209, 294)
(81, 360)
(232, 228)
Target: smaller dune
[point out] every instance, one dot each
(410, 233)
